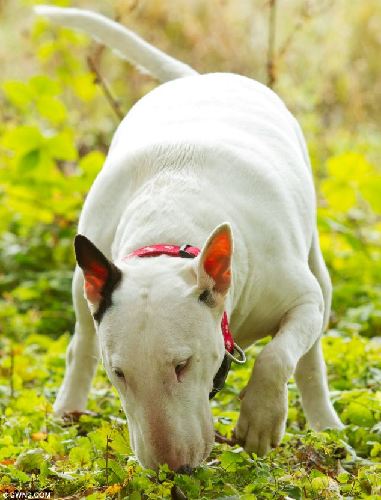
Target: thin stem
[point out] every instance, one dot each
(107, 453)
(271, 73)
(11, 373)
(105, 88)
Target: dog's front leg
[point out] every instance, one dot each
(81, 358)
(263, 415)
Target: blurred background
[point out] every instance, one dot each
(63, 95)
(61, 98)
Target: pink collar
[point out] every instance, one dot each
(188, 252)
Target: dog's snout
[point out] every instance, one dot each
(185, 469)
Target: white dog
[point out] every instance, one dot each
(194, 153)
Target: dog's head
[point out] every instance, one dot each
(159, 326)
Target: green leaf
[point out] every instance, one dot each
(61, 146)
(230, 461)
(19, 475)
(31, 460)
(135, 495)
(18, 93)
(358, 414)
(23, 139)
(84, 86)
(343, 477)
(372, 193)
(120, 442)
(92, 163)
(79, 456)
(44, 86)
(117, 469)
(30, 160)
(52, 109)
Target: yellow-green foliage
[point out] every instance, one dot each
(55, 127)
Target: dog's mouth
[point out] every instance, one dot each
(182, 454)
(177, 466)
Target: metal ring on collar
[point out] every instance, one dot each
(242, 357)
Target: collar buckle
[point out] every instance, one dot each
(184, 254)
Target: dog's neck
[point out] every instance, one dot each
(172, 210)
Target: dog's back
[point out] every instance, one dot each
(224, 144)
(218, 114)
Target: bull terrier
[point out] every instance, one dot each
(200, 160)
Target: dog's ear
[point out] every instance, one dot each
(214, 262)
(101, 275)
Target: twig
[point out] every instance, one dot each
(107, 453)
(219, 438)
(297, 27)
(271, 74)
(11, 373)
(306, 14)
(105, 88)
(46, 420)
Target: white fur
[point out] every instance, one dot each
(125, 42)
(191, 154)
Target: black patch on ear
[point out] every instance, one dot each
(112, 282)
(86, 253)
(207, 298)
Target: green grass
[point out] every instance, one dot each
(93, 458)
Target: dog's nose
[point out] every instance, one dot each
(184, 469)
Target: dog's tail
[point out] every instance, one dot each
(129, 45)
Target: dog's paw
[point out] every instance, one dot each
(74, 416)
(262, 421)
(69, 401)
(62, 407)
(62, 411)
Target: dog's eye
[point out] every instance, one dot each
(118, 372)
(180, 369)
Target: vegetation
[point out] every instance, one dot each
(55, 125)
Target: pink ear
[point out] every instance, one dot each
(216, 258)
(95, 279)
(98, 271)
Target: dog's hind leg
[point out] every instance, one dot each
(319, 269)
(311, 378)
(81, 358)
(310, 374)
